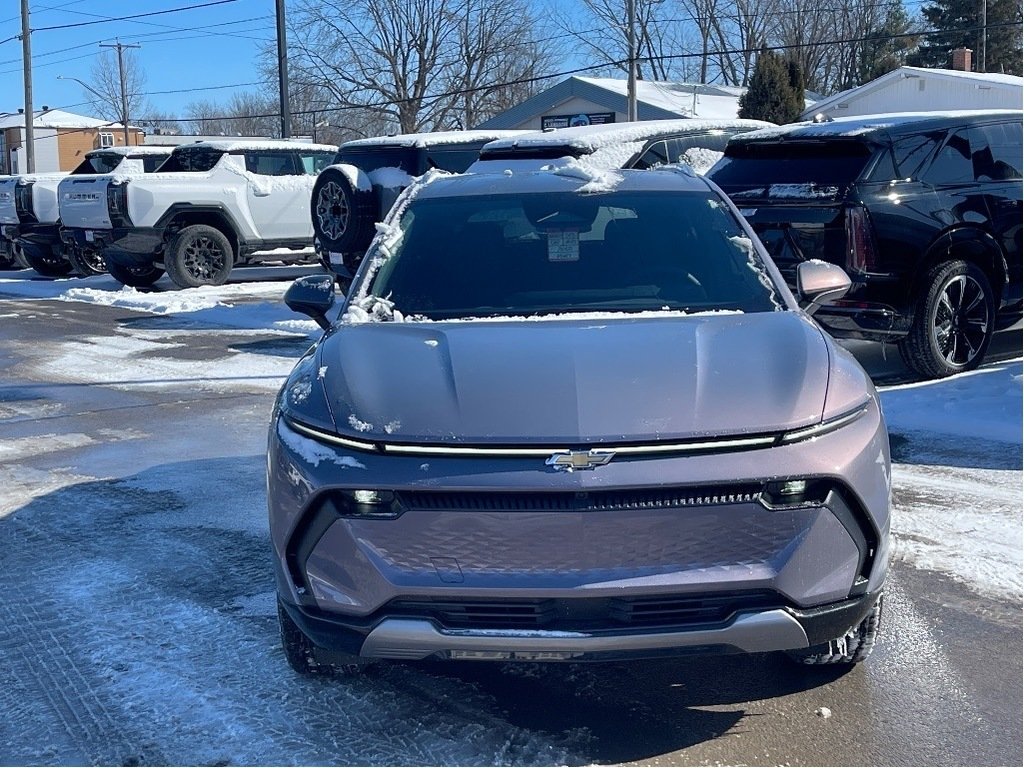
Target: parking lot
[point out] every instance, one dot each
(137, 605)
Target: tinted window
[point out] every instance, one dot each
(372, 158)
(314, 162)
(911, 154)
(535, 254)
(757, 164)
(271, 163)
(151, 162)
(105, 162)
(452, 159)
(953, 164)
(1005, 141)
(192, 160)
(656, 154)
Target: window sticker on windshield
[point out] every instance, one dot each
(563, 245)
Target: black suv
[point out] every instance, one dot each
(922, 210)
(366, 177)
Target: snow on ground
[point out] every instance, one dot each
(957, 482)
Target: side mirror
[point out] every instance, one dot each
(312, 295)
(820, 283)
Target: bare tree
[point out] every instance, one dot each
(412, 63)
(244, 114)
(154, 120)
(105, 85)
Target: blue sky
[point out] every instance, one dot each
(189, 50)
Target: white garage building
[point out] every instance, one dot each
(913, 89)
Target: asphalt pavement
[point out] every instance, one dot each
(137, 619)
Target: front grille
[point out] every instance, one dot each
(581, 501)
(592, 614)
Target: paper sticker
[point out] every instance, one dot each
(564, 245)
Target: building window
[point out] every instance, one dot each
(106, 140)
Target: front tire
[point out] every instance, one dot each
(343, 216)
(87, 261)
(47, 262)
(301, 653)
(852, 648)
(135, 277)
(953, 321)
(199, 255)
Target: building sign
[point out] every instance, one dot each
(571, 121)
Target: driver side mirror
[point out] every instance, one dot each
(819, 283)
(312, 295)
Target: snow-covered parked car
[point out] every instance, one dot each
(645, 144)
(358, 189)
(575, 415)
(211, 206)
(30, 208)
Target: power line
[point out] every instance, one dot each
(539, 78)
(134, 16)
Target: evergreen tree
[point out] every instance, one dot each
(770, 95)
(1003, 43)
(885, 53)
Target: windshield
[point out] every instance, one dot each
(492, 256)
(103, 163)
(757, 164)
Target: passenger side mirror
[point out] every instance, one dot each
(312, 295)
(820, 283)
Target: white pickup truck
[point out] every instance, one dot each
(213, 204)
(30, 212)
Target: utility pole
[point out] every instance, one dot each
(124, 86)
(982, 64)
(26, 60)
(631, 45)
(282, 71)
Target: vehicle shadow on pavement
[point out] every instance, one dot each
(930, 449)
(641, 709)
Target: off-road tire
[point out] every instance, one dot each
(343, 216)
(852, 648)
(87, 261)
(47, 262)
(301, 653)
(199, 255)
(136, 277)
(954, 320)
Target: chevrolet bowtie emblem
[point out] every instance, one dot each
(570, 461)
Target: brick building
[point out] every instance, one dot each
(61, 139)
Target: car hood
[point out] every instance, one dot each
(555, 382)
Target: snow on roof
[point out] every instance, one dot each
(130, 150)
(710, 101)
(54, 118)
(859, 125)
(986, 77)
(237, 145)
(434, 139)
(590, 138)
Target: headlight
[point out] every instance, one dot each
(829, 425)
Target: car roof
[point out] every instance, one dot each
(589, 138)
(130, 150)
(435, 139)
(869, 127)
(571, 176)
(240, 145)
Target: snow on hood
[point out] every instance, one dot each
(597, 179)
(796, 191)
(858, 125)
(240, 145)
(671, 378)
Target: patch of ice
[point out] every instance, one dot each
(392, 426)
(321, 372)
(300, 391)
(14, 449)
(358, 425)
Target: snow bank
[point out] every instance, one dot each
(983, 403)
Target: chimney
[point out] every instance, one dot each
(962, 59)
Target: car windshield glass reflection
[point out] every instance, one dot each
(547, 254)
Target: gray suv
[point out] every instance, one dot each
(566, 418)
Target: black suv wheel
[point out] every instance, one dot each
(136, 277)
(852, 648)
(199, 255)
(47, 262)
(343, 216)
(87, 261)
(953, 321)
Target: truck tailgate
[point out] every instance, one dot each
(83, 202)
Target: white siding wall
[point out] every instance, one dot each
(47, 159)
(928, 94)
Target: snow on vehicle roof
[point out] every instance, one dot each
(861, 125)
(593, 137)
(240, 145)
(438, 138)
(130, 150)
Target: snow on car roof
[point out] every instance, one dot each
(238, 145)
(590, 138)
(860, 125)
(130, 150)
(438, 138)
